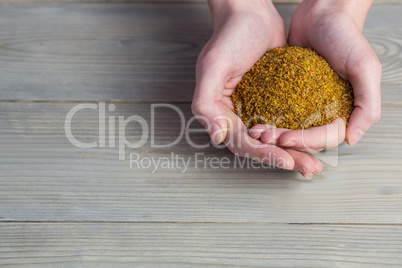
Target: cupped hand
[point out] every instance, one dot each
(333, 28)
(242, 34)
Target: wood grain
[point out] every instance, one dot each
(157, 1)
(63, 206)
(198, 245)
(137, 52)
(98, 52)
(45, 178)
(375, 1)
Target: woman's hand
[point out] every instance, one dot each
(333, 28)
(243, 32)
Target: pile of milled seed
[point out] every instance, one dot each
(292, 87)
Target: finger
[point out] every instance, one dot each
(211, 116)
(207, 105)
(306, 164)
(266, 133)
(227, 102)
(232, 83)
(315, 138)
(365, 77)
(318, 165)
(256, 131)
(240, 143)
(228, 92)
(272, 135)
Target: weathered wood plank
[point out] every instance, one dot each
(135, 52)
(45, 178)
(198, 245)
(375, 1)
(159, 1)
(138, 52)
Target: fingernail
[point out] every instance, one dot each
(307, 172)
(317, 171)
(216, 133)
(253, 133)
(286, 167)
(356, 136)
(288, 143)
(283, 165)
(308, 175)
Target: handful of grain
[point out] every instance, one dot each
(292, 87)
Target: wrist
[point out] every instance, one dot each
(239, 5)
(355, 9)
(221, 10)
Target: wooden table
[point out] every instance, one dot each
(64, 206)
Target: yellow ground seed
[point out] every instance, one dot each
(292, 87)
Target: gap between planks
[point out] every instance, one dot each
(114, 2)
(207, 223)
(383, 104)
(97, 101)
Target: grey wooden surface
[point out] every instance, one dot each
(77, 59)
(63, 206)
(159, 1)
(66, 183)
(198, 245)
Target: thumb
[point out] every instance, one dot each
(207, 103)
(366, 82)
(212, 116)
